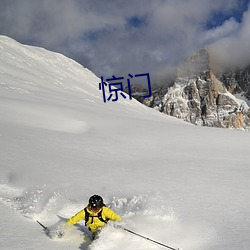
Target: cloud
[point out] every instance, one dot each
(233, 49)
(228, 28)
(121, 37)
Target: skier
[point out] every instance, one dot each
(95, 214)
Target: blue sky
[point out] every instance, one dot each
(218, 17)
(117, 37)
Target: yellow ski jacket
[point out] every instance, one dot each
(94, 223)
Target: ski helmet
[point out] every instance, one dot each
(95, 202)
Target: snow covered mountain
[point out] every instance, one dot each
(182, 185)
(204, 97)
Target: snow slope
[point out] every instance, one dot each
(176, 183)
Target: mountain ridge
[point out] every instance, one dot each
(203, 96)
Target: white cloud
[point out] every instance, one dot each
(97, 33)
(233, 50)
(228, 28)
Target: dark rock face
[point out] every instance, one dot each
(203, 98)
(237, 81)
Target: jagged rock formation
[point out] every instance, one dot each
(203, 98)
(237, 81)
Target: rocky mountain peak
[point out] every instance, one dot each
(196, 64)
(202, 97)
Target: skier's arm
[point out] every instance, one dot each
(110, 214)
(77, 217)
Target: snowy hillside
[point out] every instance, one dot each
(176, 183)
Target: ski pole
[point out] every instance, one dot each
(146, 238)
(45, 228)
